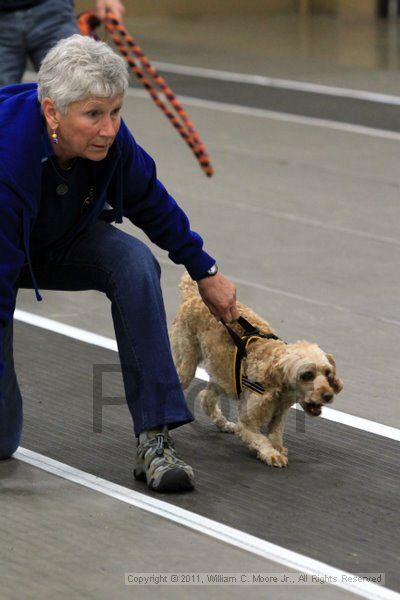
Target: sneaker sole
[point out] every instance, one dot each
(174, 480)
(139, 474)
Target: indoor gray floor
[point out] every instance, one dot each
(340, 481)
(304, 219)
(62, 540)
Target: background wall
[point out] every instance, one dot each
(341, 8)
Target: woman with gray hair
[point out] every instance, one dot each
(69, 167)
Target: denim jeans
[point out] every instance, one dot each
(106, 259)
(30, 33)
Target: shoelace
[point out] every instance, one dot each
(160, 444)
(161, 441)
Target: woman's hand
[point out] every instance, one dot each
(219, 295)
(114, 5)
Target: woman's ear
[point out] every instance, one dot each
(51, 113)
(337, 384)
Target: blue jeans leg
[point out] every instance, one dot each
(47, 24)
(105, 258)
(10, 400)
(30, 33)
(13, 53)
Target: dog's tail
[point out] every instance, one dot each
(188, 287)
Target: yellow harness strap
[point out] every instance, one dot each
(240, 380)
(240, 353)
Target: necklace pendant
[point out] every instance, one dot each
(62, 189)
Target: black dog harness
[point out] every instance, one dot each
(240, 353)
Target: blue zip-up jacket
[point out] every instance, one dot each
(126, 179)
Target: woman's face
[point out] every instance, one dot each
(88, 129)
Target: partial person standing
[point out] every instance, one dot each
(30, 28)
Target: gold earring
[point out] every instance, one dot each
(54, 137)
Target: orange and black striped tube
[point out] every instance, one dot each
(151, 80)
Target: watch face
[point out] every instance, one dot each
(213, 270)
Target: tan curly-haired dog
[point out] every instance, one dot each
(290, 373)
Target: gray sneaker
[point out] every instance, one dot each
(157, 463)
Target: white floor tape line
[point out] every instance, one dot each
(104, 342)
(216, 530)
(278, 83)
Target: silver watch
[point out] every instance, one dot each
(211, 272)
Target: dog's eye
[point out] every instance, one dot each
(307, 376)
(328, 373)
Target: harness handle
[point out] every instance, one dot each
(239, 342)
(249, 331)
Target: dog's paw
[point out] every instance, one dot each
(228, 427)
(273, 458)
(282, 449)
(279, 460)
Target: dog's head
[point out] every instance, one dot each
(312, 375)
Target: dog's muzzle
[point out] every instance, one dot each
(313, 409)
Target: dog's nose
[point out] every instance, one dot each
(327, 397)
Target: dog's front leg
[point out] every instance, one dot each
(260, 444)
(254, 412)
(275, 431)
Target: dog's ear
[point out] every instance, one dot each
(337, 384)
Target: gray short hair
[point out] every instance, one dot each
(78, 67)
